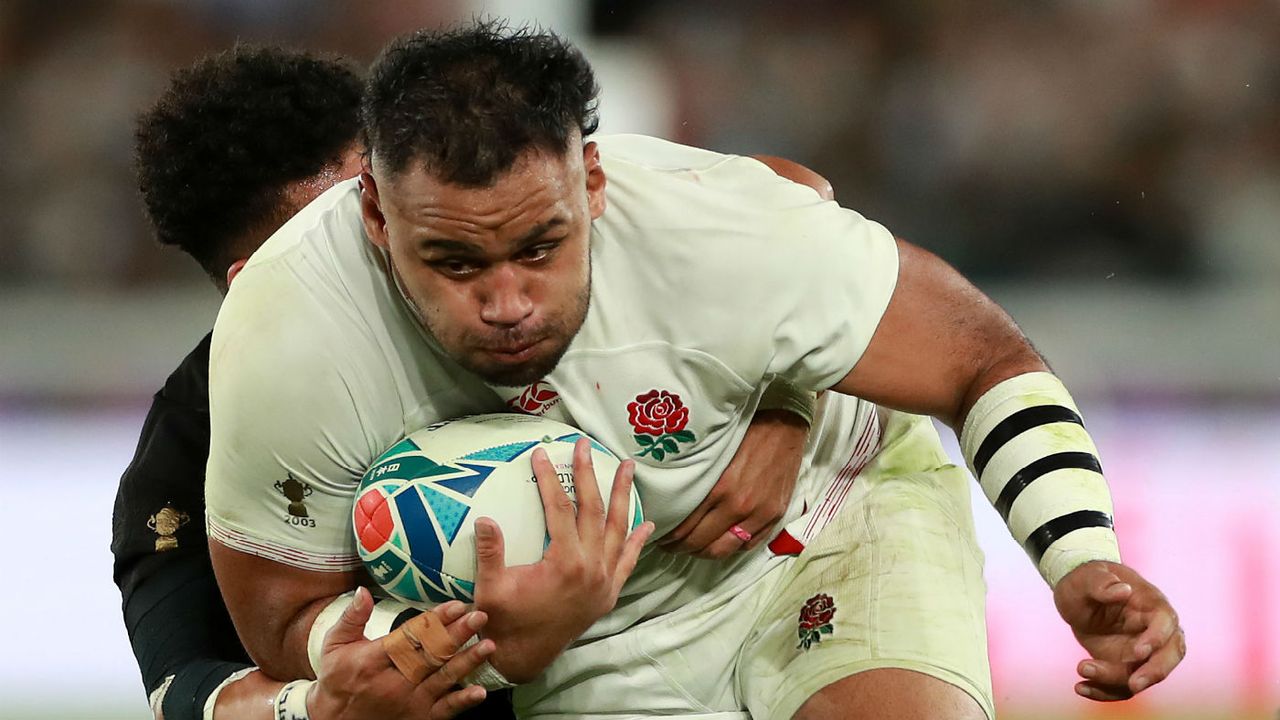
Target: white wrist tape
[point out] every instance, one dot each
(486, 675)
(291, 701)
(1026, 444)
(782, 395)
(384, 615)
(211, 702)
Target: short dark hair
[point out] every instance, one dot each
(217, 151)
(467, 102)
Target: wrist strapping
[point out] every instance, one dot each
(187, 694)
(210, 705)
(291, 701)
(387, 614)
(486, 675)
(1026, 443)
(782, 395)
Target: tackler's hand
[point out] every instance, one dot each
(359, 681)
(1127, 626)
(752, 495)
(536, 610)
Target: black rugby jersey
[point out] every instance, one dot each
(176, 620)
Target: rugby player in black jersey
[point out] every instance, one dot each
(236, 145)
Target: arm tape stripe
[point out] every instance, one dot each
(193, 684)
(1045, 535)
(1047, 464)
(1018, 423)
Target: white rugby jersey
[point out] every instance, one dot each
(711, 276)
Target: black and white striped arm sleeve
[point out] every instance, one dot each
(1028, 447)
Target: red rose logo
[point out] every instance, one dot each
(815, 619)
(817, 612)
(659, 419)
(657, 413)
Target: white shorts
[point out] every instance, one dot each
(895, 581)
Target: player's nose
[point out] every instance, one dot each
(505, 300)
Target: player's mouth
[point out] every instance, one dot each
(515, 353)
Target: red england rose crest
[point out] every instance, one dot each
(815, 620)
(536, 399)
(659, 419)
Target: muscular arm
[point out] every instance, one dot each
(274, 606)
(940, 345)
(939, 348)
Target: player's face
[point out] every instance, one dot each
(500, 275)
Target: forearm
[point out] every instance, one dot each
(1026, 443)
(300, 637)
(179, 631)
(275, 607)
(305, 632)
(945, 349)
(279, 644)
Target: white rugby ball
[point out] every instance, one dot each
(415, 509)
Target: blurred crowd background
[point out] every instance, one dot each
(1027, 140)
(1110, 171)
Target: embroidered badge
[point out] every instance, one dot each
(166, 524)
(815, 620)
(296, 491)
(659, 418)
(536, 399)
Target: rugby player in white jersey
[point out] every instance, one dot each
(494, 252)
(217, 190)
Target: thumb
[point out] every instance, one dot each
(490, 553)
(1109, 589)
(350, 625)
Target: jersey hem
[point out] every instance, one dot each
(316, 562)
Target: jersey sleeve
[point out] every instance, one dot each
(735, 261)
(832, 273)
(774, 281)
(287, 441)
(160, 499)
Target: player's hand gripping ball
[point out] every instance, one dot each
(416, 507)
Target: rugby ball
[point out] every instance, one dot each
(415, 509)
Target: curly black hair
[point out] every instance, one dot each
(217, 151)
(467, 102)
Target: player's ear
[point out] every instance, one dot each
(375, 223)
(235, 269)
(595, 179)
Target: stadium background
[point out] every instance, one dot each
(1108, 171)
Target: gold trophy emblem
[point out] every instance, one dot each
(295, 491)
(165, 524)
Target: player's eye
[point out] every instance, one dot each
(536, 253)
(454, 267)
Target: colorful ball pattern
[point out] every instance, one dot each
(416, 506)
